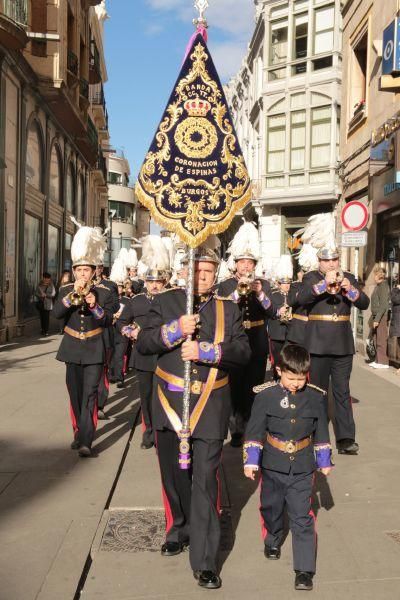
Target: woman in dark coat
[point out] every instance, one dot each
(379, 317)
(394, 330)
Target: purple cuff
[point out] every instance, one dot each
(67, 302)
(171, 334)
(127, 330)
(323, 456)
(235, 297)
(252, 452)
(264, 300)
(97, 312)
(320, 287)
(209, 353)
(353, 294)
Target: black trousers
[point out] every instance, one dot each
(44, 320)
(104, 384)
(338, 369)
(294, 491)
(146, 392)
(241, 381)
(82, 383)
(118, 360)
(191, 497)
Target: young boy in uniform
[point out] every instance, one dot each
(287, 435)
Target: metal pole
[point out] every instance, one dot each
(356, 251)
(184, 434)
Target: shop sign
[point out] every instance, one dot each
(391, 48)
(354, 239)
(386, 130)
(391, 187)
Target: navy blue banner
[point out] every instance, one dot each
(194, 178)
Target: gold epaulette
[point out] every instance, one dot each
(103, 287)
(315, 387)
(223, 298)
(264, 386)
(173, 289)
(66, 285)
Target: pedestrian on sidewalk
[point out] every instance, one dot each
(45, 292)
(219, 346)
(380, 302)
(284, 411)
(394, 330)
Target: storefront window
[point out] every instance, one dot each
(70, 191)
(53, 244)
(33, 169)
(67, 253)
(55, 177)
(81, 200)
(32, 246)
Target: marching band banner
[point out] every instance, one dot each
(194, 178)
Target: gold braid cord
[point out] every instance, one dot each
(194, 178)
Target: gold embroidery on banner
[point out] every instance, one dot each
(196, 137)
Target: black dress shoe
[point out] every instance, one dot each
(84, 452)
(303, 581)
(272, 552)
(172, 548)
(236, 440)
(208, 579)
(101, 415)
(120, 385)
(75, 444)
(347, 447)
(146, 445)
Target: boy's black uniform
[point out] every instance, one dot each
(191, 497)
(282, 434)
(83, 350)
(145, 365)
(329, 340)
(108, 335)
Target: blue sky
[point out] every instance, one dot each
(145, 42)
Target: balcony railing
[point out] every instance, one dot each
(84, 88)
(101, 164)
(92, 133)
(16, 10)
(97, 95)
(72, 63)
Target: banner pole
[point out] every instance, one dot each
(184, 434)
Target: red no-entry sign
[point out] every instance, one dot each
(354, 215)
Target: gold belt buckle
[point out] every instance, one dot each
(81, 335)
(196, 387)
(290, 447)
(247, 324)
(334, 317)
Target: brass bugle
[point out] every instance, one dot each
(77, 296)
(244, 287)
(336, 286)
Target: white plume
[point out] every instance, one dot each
(169, 246)
(88, 244)
(118, 271)
(131, 260)
(224, 271)
(319, 232)
(154, 253)
(245, 241)
(284, 267)
(307, 258)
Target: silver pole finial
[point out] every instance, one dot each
(201, 6)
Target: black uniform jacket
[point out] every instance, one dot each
(79, 318)
(288, 416)
(108, 334)
(124, 302)
(251, 310)
(329, 337)
(168, 306)
(297, 326)
(137, 311)
(277, 329)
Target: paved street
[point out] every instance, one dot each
(91, 528)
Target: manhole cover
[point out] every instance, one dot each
(134, 531)
(394, 535)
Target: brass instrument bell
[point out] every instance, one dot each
(336, 286)
(77, 296)
(244, 287)
(288, 314)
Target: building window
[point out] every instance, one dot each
(279, 42)
(55, 178)
(32, 263)
(321, 136)
(124, 213)
(277, 74)
(324, 20)
(33, 170)
(70, 190)
(81, 199)
(115, 178)
(297, 139)
(300, 36)
(358, 78)
(322, 63)
(276, 143)
(53, 245)
(67, 252)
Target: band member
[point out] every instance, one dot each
(251, 295)
(219, 346)
(120, 354)
(328, 295)
(296, 327)
(287, 438)
(278, 324)
(87, 311)
(131, 320)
